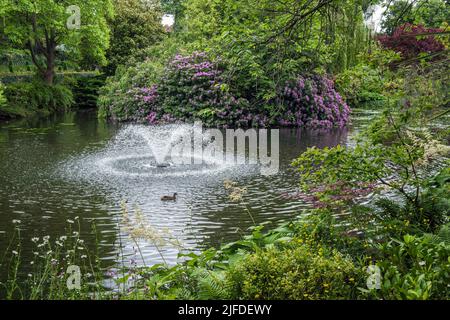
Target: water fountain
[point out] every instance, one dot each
(141, 164)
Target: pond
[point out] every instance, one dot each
(75, 167)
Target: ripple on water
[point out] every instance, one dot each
(88, 169)
(203, 215)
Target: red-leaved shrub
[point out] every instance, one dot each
(407, 41)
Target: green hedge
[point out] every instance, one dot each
(29, 98)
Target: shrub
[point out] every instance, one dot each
(2, 97)
(136, 25)
(313, 101)
(302, 272)
(38, 97)
(406, 41)
(361, 86)
(192, 88)
(117, 96)
(415, 268)
(115, 99)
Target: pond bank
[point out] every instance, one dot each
(27, 98)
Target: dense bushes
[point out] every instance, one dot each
(2, 97)
(312, 258)
(298, 273)
(410, 41)
(256, 54)
(118, 98)
(313, 101)
(85, 91)
(414, 268)
(192, 87)
(362, 86)
(26, 98)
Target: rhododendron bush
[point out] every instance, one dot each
(193, 87)
(313, 101)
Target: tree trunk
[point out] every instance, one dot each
(49, 73)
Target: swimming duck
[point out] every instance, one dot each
(169, 198)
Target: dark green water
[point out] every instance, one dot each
(73, 165)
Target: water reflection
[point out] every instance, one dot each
(52, 170)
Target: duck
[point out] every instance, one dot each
(169, 198)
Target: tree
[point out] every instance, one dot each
(429, 13)
(406, 40)
(136, 26)
(46, 28)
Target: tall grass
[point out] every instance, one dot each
(47, 276)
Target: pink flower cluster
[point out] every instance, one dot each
(313, 101)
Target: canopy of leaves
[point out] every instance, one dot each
(41, 28)
(267, 43)
(136, 26)
(429, 13)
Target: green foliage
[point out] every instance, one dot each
(136, 25)
(2, 97)
(143, 71)
(266, 45)
(40, 28)
(362, 86)
(192, 88)
(85, 90)
(273, 265)
(429, 13)
(415, 268)
(444, 234)
(38, 97)
(390, 152)
(297, 273)
(263, 44)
